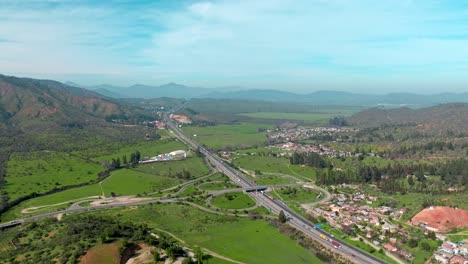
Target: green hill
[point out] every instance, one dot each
(444, 117)
(24, 101)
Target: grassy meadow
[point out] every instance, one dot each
(308, 118)
(195, 165)
(232, 237)
(276, 165)
(233, 201)
(38, 172)
(228, 136)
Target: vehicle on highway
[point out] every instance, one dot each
(271, 197)
(336, 244)
(323, 236)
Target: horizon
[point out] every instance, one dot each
(301, 47)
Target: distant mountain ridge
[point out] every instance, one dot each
(25, 101)
(319, 97)
(445, 117)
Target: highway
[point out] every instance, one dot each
(297, 221)
(294, 219)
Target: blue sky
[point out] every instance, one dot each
(302, 45)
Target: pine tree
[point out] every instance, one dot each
(282, 217)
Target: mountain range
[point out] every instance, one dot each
(26, 101)
(317, 98)
(444, 117)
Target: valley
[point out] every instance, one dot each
(321, 166)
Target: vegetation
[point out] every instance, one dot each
(229, 136)
(308, 118)
(233, 201)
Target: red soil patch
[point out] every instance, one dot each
(442, 218)
(107, 253)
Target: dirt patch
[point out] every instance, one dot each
(142, 255)
(123, 199)
(106, 253)
(442, 218)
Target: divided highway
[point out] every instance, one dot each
(276, 206)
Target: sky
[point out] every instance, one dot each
(302, 45)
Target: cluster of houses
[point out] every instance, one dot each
(156, 123)
(320, 149)
(346, 211)
(302, 133)
(450, 253)
(174, 155)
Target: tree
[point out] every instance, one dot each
(282, 217)
(124, 160)
(410, 180)
(198, 255)
(156, 256)
(425, 246)
(412, 243)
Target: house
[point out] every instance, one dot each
(464, 250)
(405, 254)
(458, 259)
(393, 240)
(390, 248)
(430, 228)
(441, 259)
(448, 247)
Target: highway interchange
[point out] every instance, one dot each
(297, 221)
(294, 219)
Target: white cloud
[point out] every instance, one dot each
(254, 43)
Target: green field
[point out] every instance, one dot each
(143, 179)
(228, 136)
(194, 165)
(129, 181)
(309, 118)
(233, 201)
(51, 199)
(276, 165)
(43, 171)
(214, 186)
(236, 238)
(296, 195)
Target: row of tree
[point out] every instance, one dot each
(310, 159)
(117, 163)
(391, 178)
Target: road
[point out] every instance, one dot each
(295, 220)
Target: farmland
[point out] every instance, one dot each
(228, 136)
(308, 118)
(275, 165)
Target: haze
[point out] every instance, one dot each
(301, 46)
